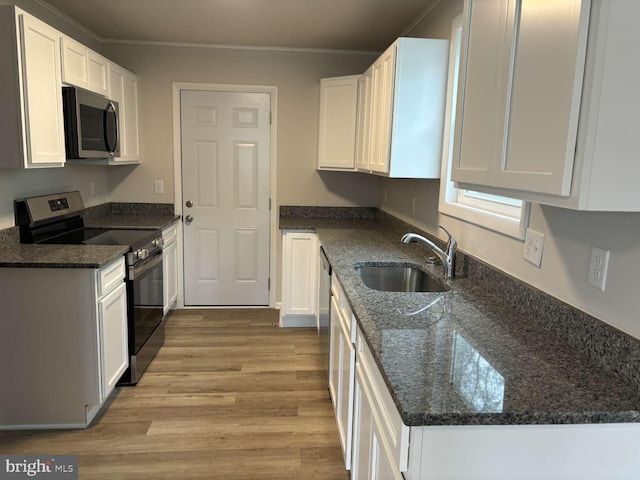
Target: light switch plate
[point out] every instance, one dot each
(533, 247)
(158, 186)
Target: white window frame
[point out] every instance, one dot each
(501, 214)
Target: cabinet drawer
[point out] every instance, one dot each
(396, 432)
(170, 234)
(110, 276)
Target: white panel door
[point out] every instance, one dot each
(225, 174)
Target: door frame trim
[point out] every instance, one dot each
(177, 88)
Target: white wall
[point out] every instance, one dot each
(569, 235)
(297, 77)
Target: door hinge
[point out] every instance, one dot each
(270, 118)
(269, 284)
(269, 203)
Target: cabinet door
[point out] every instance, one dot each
(482, 89)
(382, 464)
(74, 63)
(345, 394)
(361, 459)
(519, 94)
(112, 319)
(97, 73)
(42, 93)
(335, 359)
(383, 75)
(546, 89)
(337, 125)
(300, 270)
(363, 139)
(123, 88)
(170, 275)
(131, 114)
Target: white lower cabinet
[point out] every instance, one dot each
(380, 439)
(170, 267)
(112, 318)
(342, 357)
(69, 343)
(300, 258)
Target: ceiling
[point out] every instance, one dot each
(369, 25)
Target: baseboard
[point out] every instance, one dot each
(297, 321)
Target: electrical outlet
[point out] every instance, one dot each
(92, 188)
(159, 186)
(598, 267)
(533, 247)
(413, 205)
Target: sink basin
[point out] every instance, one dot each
(391, 278)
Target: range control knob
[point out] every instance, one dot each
(157, 242)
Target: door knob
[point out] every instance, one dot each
(189, 204)
(188, 219)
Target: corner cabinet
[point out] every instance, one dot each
(123, 88)
(81, 343)
(170, 266)
(547, 100)
(401, 110)
(300, 258)
(32, 133)
(337, 126)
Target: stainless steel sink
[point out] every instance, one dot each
(392, 278)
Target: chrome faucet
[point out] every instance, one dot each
(447, 258)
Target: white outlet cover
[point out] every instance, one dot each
(598, 266)
(533, 247)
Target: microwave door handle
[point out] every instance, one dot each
(111, 107)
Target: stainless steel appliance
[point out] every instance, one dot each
(323, 317)
(90, 124)
(58, 219)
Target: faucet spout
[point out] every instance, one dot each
(446, 257)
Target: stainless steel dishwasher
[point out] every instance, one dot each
(323, 316)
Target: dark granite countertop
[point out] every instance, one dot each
(13, 254)
(464, 357)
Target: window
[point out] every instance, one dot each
(501, 214)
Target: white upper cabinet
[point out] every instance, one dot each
(123, 88)
(32, 134)
(547, 101)
(363, 138)
(337, 126)
(402, 110)
(83, 67)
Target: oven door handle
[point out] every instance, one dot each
(135, 271)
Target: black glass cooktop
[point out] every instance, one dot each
(119, 237)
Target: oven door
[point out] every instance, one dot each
(145, 300)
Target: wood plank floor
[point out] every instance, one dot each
(227, 397)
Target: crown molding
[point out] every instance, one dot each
(425, 13)
(69, 20)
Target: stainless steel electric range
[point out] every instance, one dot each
(58, 219)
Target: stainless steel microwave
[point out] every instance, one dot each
(90, 124)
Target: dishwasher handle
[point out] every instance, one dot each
(326, 266)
